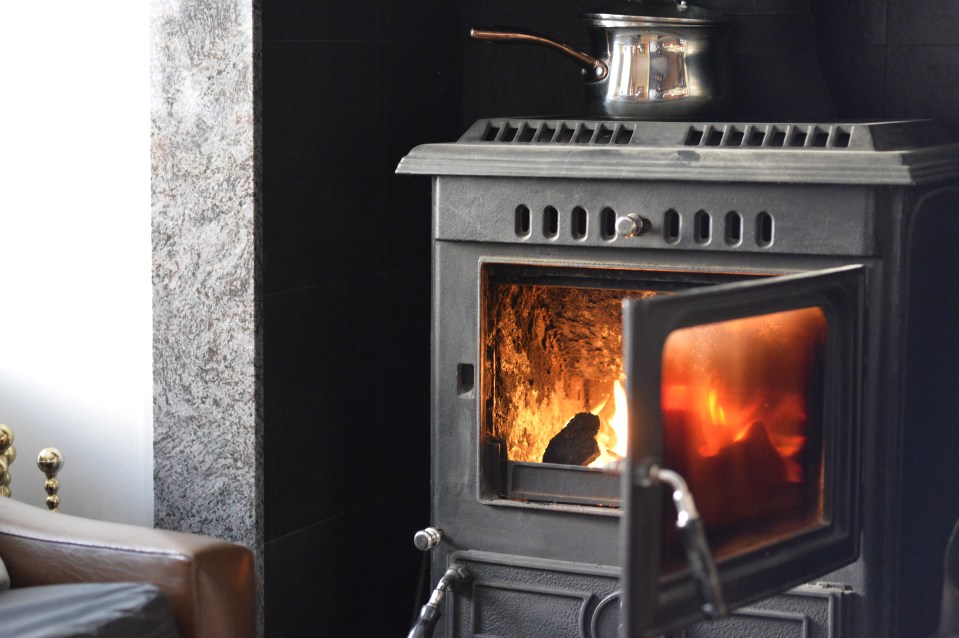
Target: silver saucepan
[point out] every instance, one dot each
(650, 60)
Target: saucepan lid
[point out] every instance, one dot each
(626, 13)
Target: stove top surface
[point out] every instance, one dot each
(871, 152)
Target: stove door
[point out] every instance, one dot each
(749, 392)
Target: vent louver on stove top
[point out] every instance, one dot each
(815, 136)
(759, 136)
(878, 136)
(901, 152)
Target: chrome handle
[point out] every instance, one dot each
(427, 539)
(631, 225)
(430, 612)
(690, 525)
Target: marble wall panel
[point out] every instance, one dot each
(207, 413)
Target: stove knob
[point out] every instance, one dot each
(427, 539)
(631, 225)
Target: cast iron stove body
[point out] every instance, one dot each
(568, 254)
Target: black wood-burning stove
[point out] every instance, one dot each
(770, 304)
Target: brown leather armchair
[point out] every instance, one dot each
(209, 583)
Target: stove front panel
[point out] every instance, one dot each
(485, 225)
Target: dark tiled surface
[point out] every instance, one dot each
(349, 88)
(321, 20)
(331, 196)
(924, 82)
(932, 371)
(422, 22)
(323, 400)
(328, 228)
(509, 80)
(425, 108)
(322, 109)
(423, 97)
(856, 79)
(851, 22)
(878, 58)
(404, 374)
(514, 81)
(913, 22)
(336, 578)
(361, 20)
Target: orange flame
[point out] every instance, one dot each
(613, 440)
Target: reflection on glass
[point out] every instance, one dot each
(738, 400)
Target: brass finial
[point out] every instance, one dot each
(8, 454)
(50, 461)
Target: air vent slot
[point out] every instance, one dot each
(604, 134)
(550, 222)
(798, 138)
(672, 226)
(607, 223)
(693, 137)
(777, 137)
(820, 138)
(755, 136)
(840, 138)
(564, 135)
(465, 379)
(734, 228)
(584, 135)
(523, 221)
(546, 133)
(526, 133)
(764, 230)
(580, 223)
(735, 137)
(623, 135)
(702, 227)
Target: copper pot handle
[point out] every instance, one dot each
(596, 68)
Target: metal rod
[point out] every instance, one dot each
(430, 612)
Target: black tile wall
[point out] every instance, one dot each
(924, 22)
(348, 89)
(511, 80)
(923, 81)
(852, 22)
(891, 58)
(324, 401)
(334, 579)
(857, 79)
(321, 20)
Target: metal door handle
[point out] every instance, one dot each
(690, 525)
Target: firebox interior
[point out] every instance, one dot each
(740, 401)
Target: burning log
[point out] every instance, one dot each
(576, 443)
